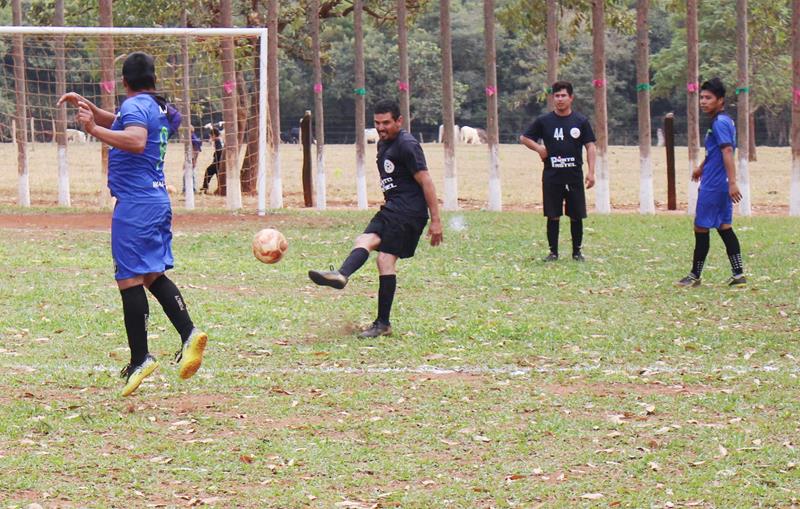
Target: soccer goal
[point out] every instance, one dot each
(215, 78)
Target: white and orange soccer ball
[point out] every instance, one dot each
(269, 245)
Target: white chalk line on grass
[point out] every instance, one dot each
(510, 371)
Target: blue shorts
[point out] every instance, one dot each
(714, 208)
(141, 239)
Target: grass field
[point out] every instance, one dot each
(520, 176)
(507, 383)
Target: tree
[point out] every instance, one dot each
(319, 119)
(646, 202)
(693, 99)
(107, 85)
(273, 98)
(743, 106)
(602, 192)
(403, 85)
(186, 123)
(228, 176)
(20, 86)
(448, 116)
(552, 49)
(495, 194)
(61, 114)
(360, 91)
(794, 197)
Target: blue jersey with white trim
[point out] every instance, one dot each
(722, 133)
(139, 178)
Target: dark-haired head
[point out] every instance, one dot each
(715, 86)
(387, 106)
(139, 71)
(562, 85)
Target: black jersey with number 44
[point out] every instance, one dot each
(398, 160)
(564, 138)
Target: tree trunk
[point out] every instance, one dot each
(404, 86)
(228, 176)
(602, 196)
(552, 49)
(794, 194)
(60, 130)
(250, 163)
(319, 119)
(107, 88)
(273, 99)
(646, 201)
(492, 130)
(448, 115)
(186, 127)
(692, 100)
(743, 107)
(361, 179)
(752, 157)
(20, 86)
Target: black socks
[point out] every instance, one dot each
(576, 228)
(733, 249)
(701, 244)
(386, 289)
(136, 311)
(354, 261)
(168, 295)
(552, 234)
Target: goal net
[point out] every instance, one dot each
(214, 78)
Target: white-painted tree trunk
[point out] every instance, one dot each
(794, 193)
(646, 199)
(495, 191)
(450, 186)
(361, 185)
(276, 194)
(188, 178)
(322, 203)
(743, 179)
(691, 189)
(24, 181)
(602, 193)
(64, 199)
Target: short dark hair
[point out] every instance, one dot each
(715, 86)
(387, 106)
(562, 85)
(139, 71)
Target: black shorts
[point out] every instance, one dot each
(564, 199)
(399, 234)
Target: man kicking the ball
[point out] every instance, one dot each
(718, 189)
(141, 226)
(395, 230)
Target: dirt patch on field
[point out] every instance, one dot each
(622, 389)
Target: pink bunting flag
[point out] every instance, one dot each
(229, 87)
(108, 86)
(402, 85)
(317, 88)
(490, 91)
(692, 87)
(599, 83)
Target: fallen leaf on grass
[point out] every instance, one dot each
(592, 496)
(481, 438)
(654, 466)
(515, 477)
(161, 460)
(722, 452)
(246, 458)
(351, 504)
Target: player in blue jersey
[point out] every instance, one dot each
(718, 189)
(141, 225)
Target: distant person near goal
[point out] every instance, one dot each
(397, 227)
(718, 189)
(141, 225)
(559, 138)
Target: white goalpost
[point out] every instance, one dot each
(46, 61)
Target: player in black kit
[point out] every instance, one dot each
(559, 137)
(395, 230)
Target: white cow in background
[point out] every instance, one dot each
(75, 136)
(456, 132)
(470, 136)
(371, 135)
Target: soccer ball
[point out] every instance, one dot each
(269, 245)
